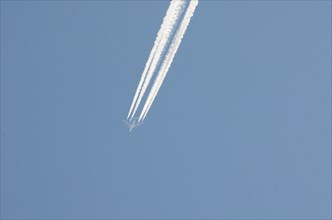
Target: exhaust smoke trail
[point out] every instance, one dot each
(169, 58)
(170, 11)
(169, 22)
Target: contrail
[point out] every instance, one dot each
(169, 22)
(161, 48)
(169, 58)
(169, 12)
(169, 28)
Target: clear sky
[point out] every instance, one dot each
(241, 127)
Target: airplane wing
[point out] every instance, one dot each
(126, 122)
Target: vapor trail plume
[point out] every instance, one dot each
(169, 58)
(169, 22)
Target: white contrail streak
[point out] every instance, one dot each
(169, 22)
(169, 58)
(170, 26)
(169, 12)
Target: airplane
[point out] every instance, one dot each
(132, 124)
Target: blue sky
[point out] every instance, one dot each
(241, 127)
